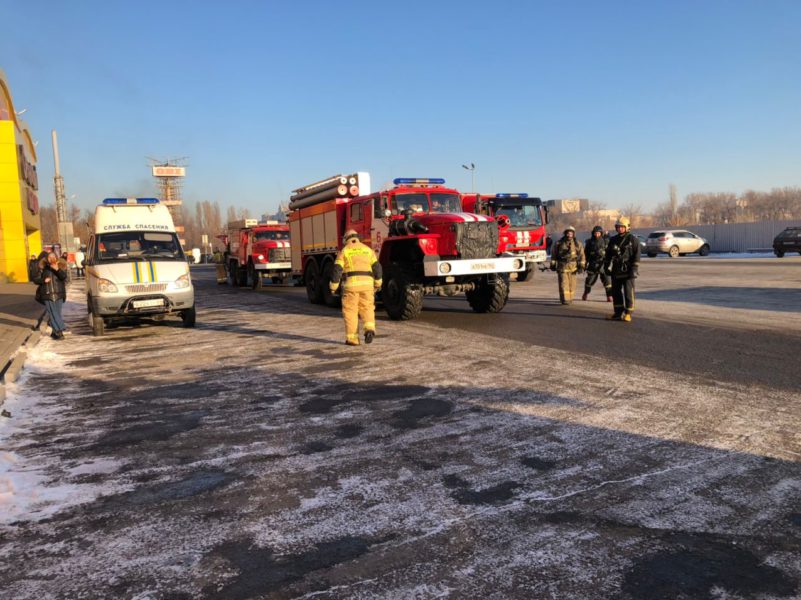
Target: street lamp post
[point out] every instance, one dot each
(472, 169)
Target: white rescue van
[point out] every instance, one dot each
(135, 266)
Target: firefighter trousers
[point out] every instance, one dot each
(567, 287)
(592, 277)
(358, 304)
(623, 295)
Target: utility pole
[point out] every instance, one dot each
(472, 169)
(65, 234)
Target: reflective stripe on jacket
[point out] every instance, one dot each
(357, 265)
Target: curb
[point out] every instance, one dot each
(12, 369)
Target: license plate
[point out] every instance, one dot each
(147, 303)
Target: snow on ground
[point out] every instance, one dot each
(258, 456)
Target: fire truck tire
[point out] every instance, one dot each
(329, 299)
(233, 273)
(254, 278)
(402, 301)
(528, 274)
(489, 298)
(189, 316)
(311, 276)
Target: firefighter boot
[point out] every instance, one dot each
(368, 337)
(626, 317)
(614, 317)
(584, 295)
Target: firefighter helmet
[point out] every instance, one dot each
(349, 235)
(623, 222)
(570, 228)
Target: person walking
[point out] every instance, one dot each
(51, 277)
(80, 257)
(622, 262)
(567, 259)
(359, 270)
(594, 252)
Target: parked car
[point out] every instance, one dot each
(642, 244)
(675, 242)
(788, 240)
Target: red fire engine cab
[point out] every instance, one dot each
(425, 242)
(256, 251)
(521, 221)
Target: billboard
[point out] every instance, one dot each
(169, 171)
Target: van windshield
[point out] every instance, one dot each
(137, 245)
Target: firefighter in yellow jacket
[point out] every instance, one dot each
(567, 259)
(360, 272)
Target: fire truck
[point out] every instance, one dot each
(425, 242)
(521, 222)
(257, 251)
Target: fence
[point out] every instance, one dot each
(727, 237)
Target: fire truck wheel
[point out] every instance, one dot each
(402, 301)
(487, 297)
(329, 299)
(254, 278)
(233, 273)
(528, 274)
(311, 276)
(188, 316)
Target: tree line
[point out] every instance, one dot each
(778, 204)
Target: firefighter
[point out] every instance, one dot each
(360, 271)
(594, 251)
(567, 259)
(622, 263)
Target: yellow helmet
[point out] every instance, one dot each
(624, 221)
(349, 235)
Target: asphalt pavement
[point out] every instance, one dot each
(542, 452)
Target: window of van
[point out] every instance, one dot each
(137, 245)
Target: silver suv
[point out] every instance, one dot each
(675, 242)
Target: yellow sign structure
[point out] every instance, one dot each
(20, 222)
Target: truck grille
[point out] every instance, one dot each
(145, 288)
(477, 239)
(279, 254)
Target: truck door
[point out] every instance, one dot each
(379, 229)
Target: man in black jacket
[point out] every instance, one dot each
(622, 262)
(51, 275)
(594, 252)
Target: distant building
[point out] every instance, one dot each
(567, 205)
(280, 214)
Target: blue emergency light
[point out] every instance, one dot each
(511, 195)
(418, 181)
(117, 201)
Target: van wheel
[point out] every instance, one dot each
(779, 253)
(98, 325)
(311, 276)
(673, 252)
(188, 317)
(704, 251)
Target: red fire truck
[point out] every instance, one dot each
(256, 251)
(521, 221)
(424, 241)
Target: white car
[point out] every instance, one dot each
(675, 242)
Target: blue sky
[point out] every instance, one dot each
(606, 100)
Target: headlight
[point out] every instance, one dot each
(105, 286)
(518, 263)
(445, 268)
(182, 282)
(261, 256)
